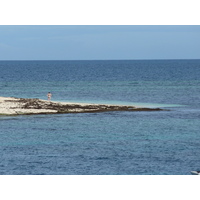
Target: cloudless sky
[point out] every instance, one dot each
(76, 42)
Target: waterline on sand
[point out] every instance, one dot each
(136, 104)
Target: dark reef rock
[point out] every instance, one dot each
(76, 108)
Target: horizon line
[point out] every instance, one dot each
(100, 59)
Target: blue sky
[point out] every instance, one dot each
(91, 42)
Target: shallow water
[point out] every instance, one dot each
(164, 142)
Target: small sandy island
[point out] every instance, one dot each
(23, 106)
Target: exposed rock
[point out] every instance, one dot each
(18, 106)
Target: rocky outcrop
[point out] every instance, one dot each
(19, 106)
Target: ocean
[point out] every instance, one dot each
(108, 143)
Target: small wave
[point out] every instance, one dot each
(102, 158)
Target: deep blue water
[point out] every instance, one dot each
(166, 142)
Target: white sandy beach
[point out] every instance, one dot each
(19, 106)
(11, 106)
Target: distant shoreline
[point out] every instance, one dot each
(25, 106)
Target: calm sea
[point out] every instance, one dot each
(133, 143)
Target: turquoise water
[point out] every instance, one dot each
(164, 142)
